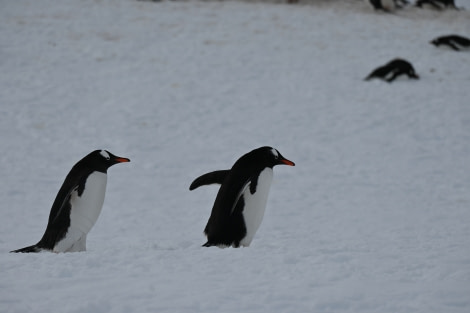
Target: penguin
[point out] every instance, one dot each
(437, 4)
(401, 3)
(456, 42)
(392, 70)
(77, 204)
(241, 200)
(385, 5)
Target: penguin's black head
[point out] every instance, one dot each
(270, 157)
(101, 160)
(412, 73)
(436, 42)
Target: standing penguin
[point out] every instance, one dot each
(240, 203)
(77, 204)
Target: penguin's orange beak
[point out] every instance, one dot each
(121, 160)
(287, 162)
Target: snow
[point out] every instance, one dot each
(374, 217)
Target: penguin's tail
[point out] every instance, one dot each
(33, 248)
(219, 245)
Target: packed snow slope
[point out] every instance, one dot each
(374, 217)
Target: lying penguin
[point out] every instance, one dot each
(240, 203)
(436, 4)
(77, 204)
(392, 70)
(455, 42)
(386, 5)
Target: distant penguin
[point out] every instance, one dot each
(436, 4)
(240, 203)
(456, 42)
(385, 5)
(77, 204)
(392, 70)
(401, 3)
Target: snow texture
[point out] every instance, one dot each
(374, 217)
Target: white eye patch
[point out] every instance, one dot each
(105, 154)
(275, 153)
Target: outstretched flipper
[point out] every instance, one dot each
(451, 44)
(216, 177)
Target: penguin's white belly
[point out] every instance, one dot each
(255, 205)
(84, 212)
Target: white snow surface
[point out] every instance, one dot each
(374, 217)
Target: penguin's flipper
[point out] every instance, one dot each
(216, 177)
(33, 248)
(453, 46)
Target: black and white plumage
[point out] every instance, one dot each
(241, 200)
(436, 4)
(455, 42)
(77, 204)
(392, 70)
(401, 3)
(386, 5)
